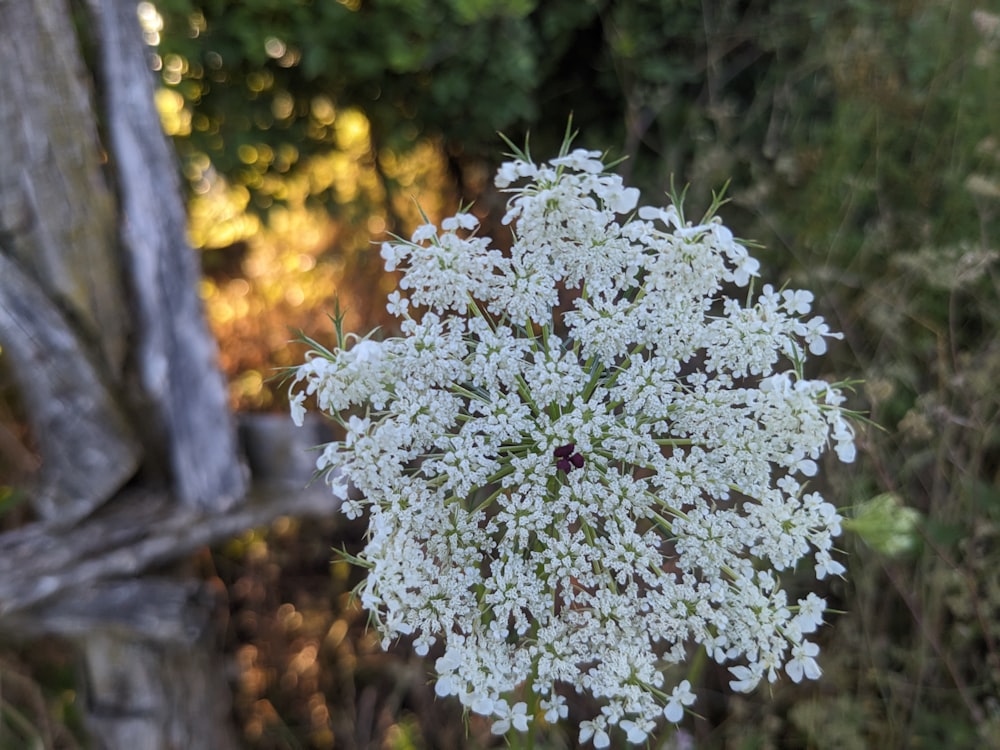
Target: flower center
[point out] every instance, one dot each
(568, 458)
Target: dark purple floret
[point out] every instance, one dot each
(568, 459)
(564, 451)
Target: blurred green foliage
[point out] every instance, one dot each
(274, 72)
(862, 140)
(39, 708)
(649, 77)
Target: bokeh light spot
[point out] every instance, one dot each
(247, 154)
(274, 47)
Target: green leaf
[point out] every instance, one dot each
(887, 525)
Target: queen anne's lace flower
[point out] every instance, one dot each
(584, 457)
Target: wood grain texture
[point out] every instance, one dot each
(107, 340)
(57, 209)
(140, 530)
(88, 450)
(176, 355)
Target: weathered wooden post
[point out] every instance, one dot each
(101, 324)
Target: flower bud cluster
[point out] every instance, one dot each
(584, 457)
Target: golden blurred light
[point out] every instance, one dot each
(201, 161)
(305, 659)
(290, 59)
(150, 21)
(174, 68)
(323, 110)
(250, 383)
(255, 267)
(197, 24)
(288, 682)
(246, 656)
(336, 634)
(257, 551)
(265, 153)
(288, 154)
(322, 173)
(274, 47)
(376, 225)
(285, 526)
(352, 129)
(283, 105)
(174, 116)
(269, 280)
(289, 617)
(247, 154)
(207, 289)
(222, 312)
(255, 180)
(258, 81)
(319, 714)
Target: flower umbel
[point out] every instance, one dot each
(585, 456)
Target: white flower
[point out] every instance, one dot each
(668, 216)
(843, 434)
(803, 662)
(679, 698)
(397, 305)
(366, 350)
(391, 254)
(797, 301)
(623, 201)
(581, 161)
(746, 679)
(810, 614)
(636, 732)
(512, 171)
(584, 454)
(554, 708)
(515, 716)
(827, 566)
(297, 406)
(815, 332)
(746, 267)
(423, 233)
(460, 221)
(595, 729)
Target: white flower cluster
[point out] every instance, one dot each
(584, 457)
